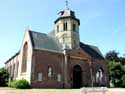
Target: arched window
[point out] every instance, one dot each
(99, 76)
(50, 71)
(17, 66)
(24, 61)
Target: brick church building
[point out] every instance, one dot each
(58, 59)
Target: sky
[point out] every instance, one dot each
(102, 22)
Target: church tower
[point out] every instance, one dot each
(67, 29)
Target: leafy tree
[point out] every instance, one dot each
(112, 56)
(115, 73)
(4, 76)
(123, 80)
(122, 60)
(116, 66)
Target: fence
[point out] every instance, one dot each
(94, 90)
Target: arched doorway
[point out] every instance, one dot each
(77, 76)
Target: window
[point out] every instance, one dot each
(17, 66)
(59, 77)
(65, 26)
(49, 71)
(24, 61)
(57, 28)
(74, 27)
(99, 76)
(13, 70)
(40, 76)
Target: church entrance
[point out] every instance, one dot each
(77, 76)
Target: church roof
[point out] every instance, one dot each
(47, 42)
(93, 51)
(43, 41)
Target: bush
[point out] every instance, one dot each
(20, 84)
(4, 76)
(12, 84)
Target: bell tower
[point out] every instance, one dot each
(67, 28)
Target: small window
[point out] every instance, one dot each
(40, 76)
(49, 71)
(74, 27)
(59, 77)
(57, 28)
(65, 26)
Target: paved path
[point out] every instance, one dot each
(3, 92)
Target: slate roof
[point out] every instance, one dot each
(93, 51)
(47, 42)
(44, 42)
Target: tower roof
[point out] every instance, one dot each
(67, 13)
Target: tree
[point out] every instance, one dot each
(122, 60)
(116, 66)
(4, 76)
(112, 56)
(115, 73)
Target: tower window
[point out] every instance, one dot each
(65, 26)
(74, 27)
(57, 28)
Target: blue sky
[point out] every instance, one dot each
(102, 22)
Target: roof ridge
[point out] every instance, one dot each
(37, 32)
(89, 44)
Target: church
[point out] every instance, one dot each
(58, 59)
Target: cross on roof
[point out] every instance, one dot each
(67, 4)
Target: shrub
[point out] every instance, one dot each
(22, 84)
(12, 84)
(4, 76)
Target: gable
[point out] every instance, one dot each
(79, 53)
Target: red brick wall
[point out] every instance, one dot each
(41, 61)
